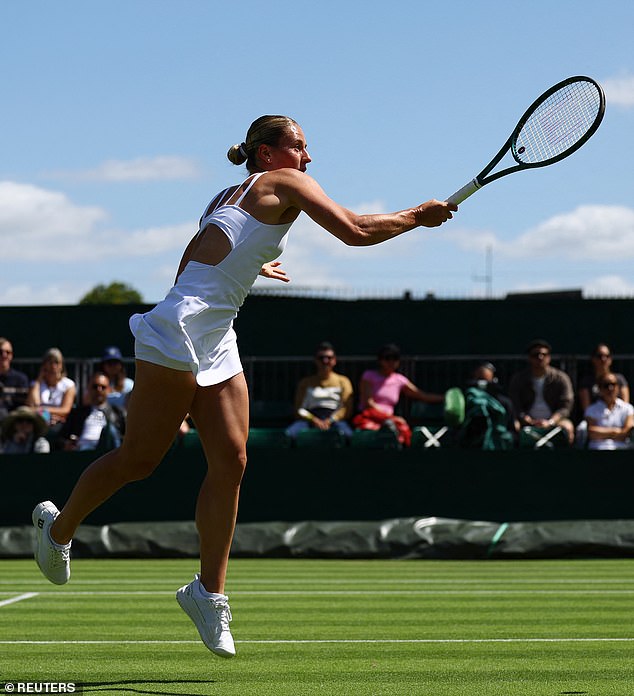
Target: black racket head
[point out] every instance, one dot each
(559, 122)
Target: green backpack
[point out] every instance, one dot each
(484, 425)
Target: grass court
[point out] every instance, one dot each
(304, 627)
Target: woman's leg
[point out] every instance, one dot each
(161, 398)
(221, 415)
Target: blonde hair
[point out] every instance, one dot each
(55, 355)
(266, 130)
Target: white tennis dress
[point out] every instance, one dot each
(192, 328)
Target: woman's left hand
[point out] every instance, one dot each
(273, 270)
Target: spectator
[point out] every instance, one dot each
(610, 419)
(323, 400)
(23, 432)
(542, 395)
(379, 394)
(120, 384)
(484, 377)
(84, 427)
(601, 361)
(14, 385)
(52, 393)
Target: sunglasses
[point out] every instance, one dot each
(324, 357)
(539, 354)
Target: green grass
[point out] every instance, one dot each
(358, 628)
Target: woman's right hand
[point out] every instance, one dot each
(433, 213)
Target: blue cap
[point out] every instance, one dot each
(111, 353)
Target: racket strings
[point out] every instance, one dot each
(558, 123)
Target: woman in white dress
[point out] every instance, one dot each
(187, 360)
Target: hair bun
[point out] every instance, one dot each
(236, 154)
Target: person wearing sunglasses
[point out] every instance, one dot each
(96, 424)
(542, 395)
(380, 391)
(14, 385)
(601, 366)
(610, 419)
(323, 400)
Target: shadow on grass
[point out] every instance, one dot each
(126, 686)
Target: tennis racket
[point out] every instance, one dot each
(553, 127)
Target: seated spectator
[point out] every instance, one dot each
(380, 391)
(610, 419)
(14, 385)
(52, 393)
(94, 424)
(323, 400)
(120, 384)
(542, 395)
(23, 432)
(601, 362)
(484, 377)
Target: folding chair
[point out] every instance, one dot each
(538, 438)
(374, 439)
(425, 436)
(320, 439)
(428, 424)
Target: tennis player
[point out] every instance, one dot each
(187, 359)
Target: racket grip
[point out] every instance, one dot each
(464, 192)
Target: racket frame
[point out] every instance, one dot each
(482, 178)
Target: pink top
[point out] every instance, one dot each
(385, 391)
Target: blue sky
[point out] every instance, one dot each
(117, 114)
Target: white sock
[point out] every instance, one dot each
(209, 595)
(55, 544)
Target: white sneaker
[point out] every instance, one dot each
(53, 559)
(210, 616)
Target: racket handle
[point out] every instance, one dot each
(464, 192)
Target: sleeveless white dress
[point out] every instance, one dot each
(192, 328)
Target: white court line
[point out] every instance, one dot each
(19, 598)
(341, 593)
(374, 581)
(318, 641)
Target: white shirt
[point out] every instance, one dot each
(93, 425)
(53, 396)
(540, 410)
(609, 418)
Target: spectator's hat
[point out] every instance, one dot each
(111, 353)
(23, 413)
(538, 343)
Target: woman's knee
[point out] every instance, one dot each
(136, 467)
(230, 464)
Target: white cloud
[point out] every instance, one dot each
(45, 226)
(590, 232)
(608, 286)
(40, 224)
(619, 90)
(161, 168)
(30, 294)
